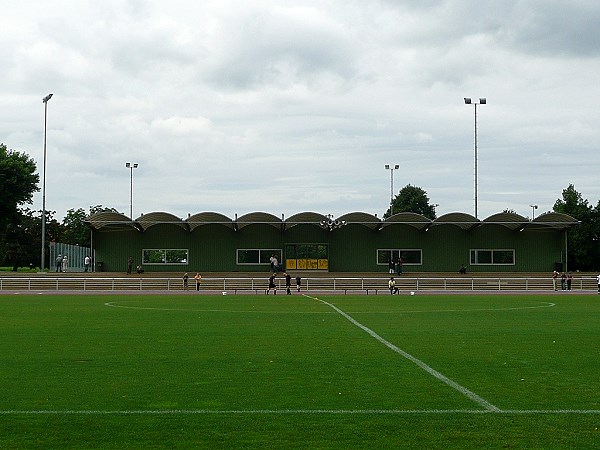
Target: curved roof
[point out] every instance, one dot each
(305, 218)
(415, 220)
(554, 220)
(462, 220)
(206, 218)
(509, 220)
(154, 218)
(114, 221)
(258, 217)
(109, 219)
(361, 218)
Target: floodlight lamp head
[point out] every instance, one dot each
(127, 164)
(397, 166)
(387, 166)
(46, 98)
(482, 100)
(135, 165)
(467, 100)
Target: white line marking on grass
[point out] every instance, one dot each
(191, 412)
(253, 311)
(151, 308)
(415, 311)
(430, 370)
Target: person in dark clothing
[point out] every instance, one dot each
(272, 284)
(298, 283)
(288, 283)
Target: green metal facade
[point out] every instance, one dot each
(213, 247)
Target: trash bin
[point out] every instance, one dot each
(100, 266)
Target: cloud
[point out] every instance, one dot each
(289, 106)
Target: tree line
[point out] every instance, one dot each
(20, 226)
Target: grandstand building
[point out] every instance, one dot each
(354, 242)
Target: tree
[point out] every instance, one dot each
(18, 182)
(582, 239)
(22, 240)
(75, 230)
(412, 199)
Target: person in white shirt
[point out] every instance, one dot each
(392, 286)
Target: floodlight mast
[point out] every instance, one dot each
(533, 208)
(43, 256)
(131, 166)
(482, 101)
(391, 168)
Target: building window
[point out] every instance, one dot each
(165, 256)
(257, 256)
(409, 256)
(492, 257)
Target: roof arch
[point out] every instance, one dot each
(554, 220)
(361, 218)
(462, 220)
(509, 220)
(111, 220)
(305, 218)
(146, 221)
(258, 218)
(418, 221)
(206, 218)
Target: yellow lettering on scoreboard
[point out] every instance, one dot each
(307, 264)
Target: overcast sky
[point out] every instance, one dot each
(293, 106)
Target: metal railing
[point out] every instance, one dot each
(259, 285)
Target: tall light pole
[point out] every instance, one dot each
(482, 101)
(131, 166)
(533, 208)
(43, 257)
(391, 168)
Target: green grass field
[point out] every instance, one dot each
(187, 371)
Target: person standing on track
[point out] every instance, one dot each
(198, 279)
(272, 284)
(288, 283)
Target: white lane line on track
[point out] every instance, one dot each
(430, 370)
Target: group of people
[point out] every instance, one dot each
(288, 283)
(395, 266)
(197, 278)
(566, 280)
(62, 263)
